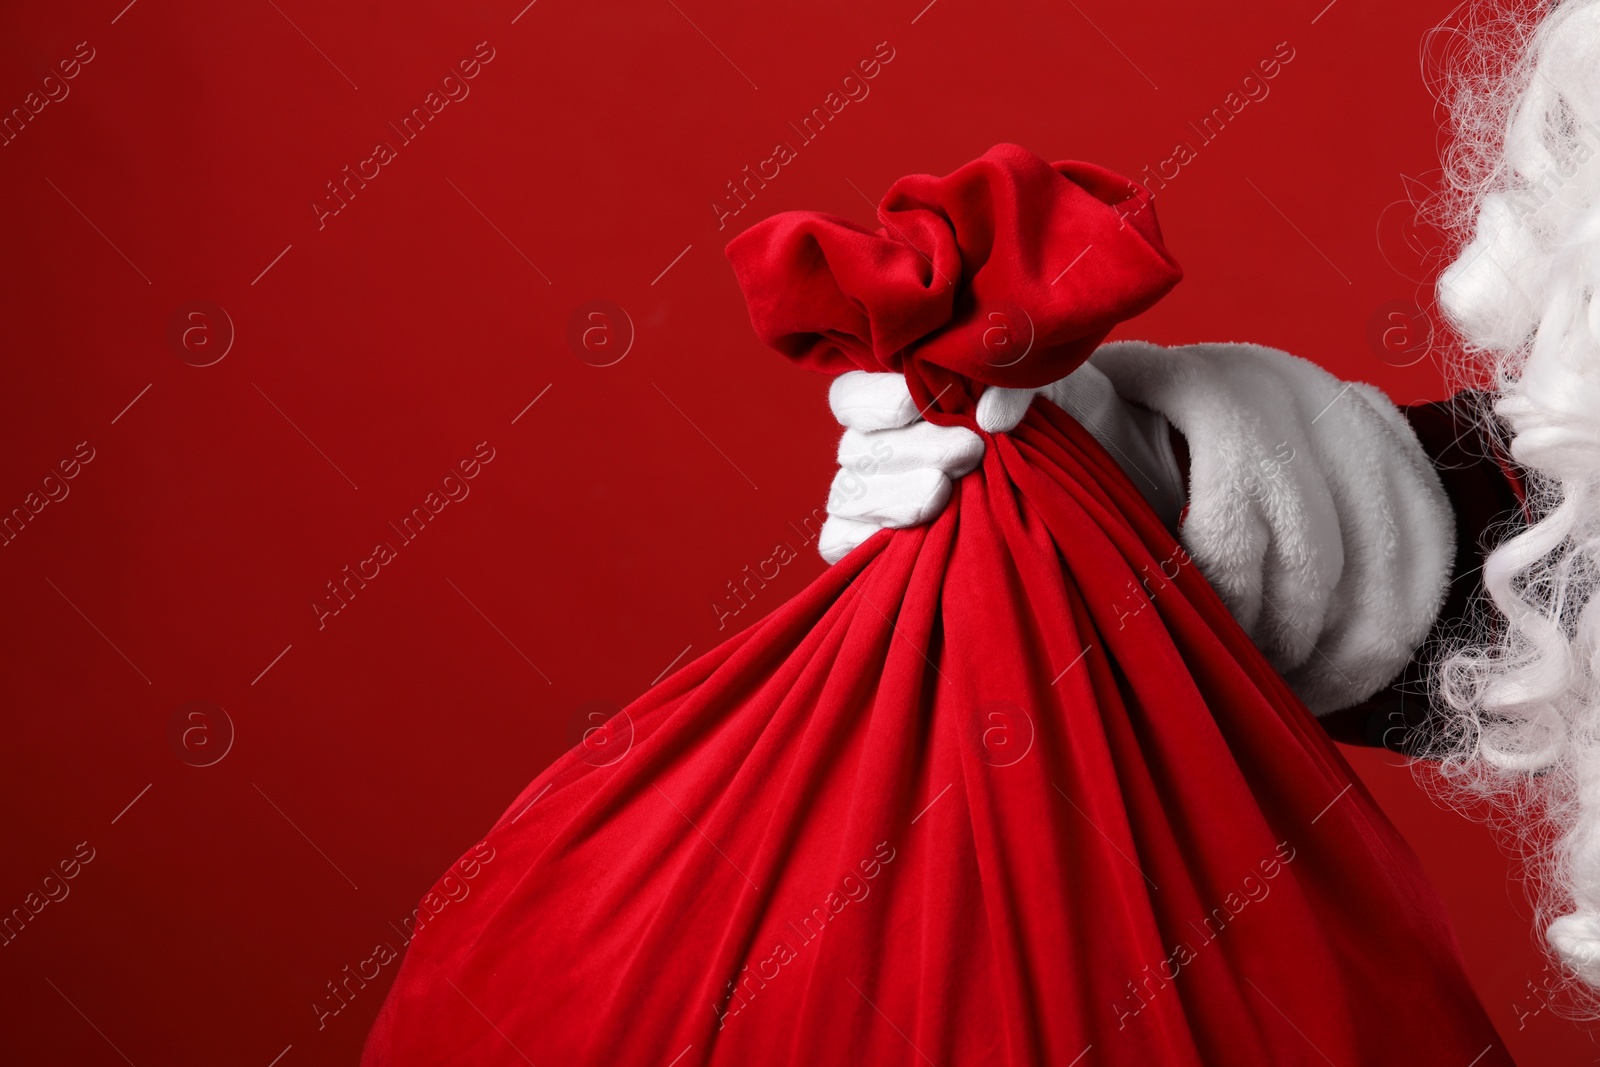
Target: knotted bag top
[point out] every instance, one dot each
(1007, 271)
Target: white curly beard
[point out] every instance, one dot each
(1521, 701)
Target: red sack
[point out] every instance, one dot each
(1011, 788)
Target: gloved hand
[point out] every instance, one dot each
(895, 470)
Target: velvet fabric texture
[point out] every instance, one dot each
(1007, 271)
(1010, 788)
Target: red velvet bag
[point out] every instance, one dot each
(1010, 788)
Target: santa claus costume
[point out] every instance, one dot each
(1012, 786)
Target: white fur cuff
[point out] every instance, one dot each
(1313, 510)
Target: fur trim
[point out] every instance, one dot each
(1313, 510)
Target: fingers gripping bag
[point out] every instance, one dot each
(1008, 788)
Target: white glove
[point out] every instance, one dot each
(1313, 510)
(895, 470)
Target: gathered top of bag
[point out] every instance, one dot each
(1007, 271)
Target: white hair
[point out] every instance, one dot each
(1518, 700)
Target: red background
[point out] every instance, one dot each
(382, 348)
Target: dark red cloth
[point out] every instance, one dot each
(1010, 788)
